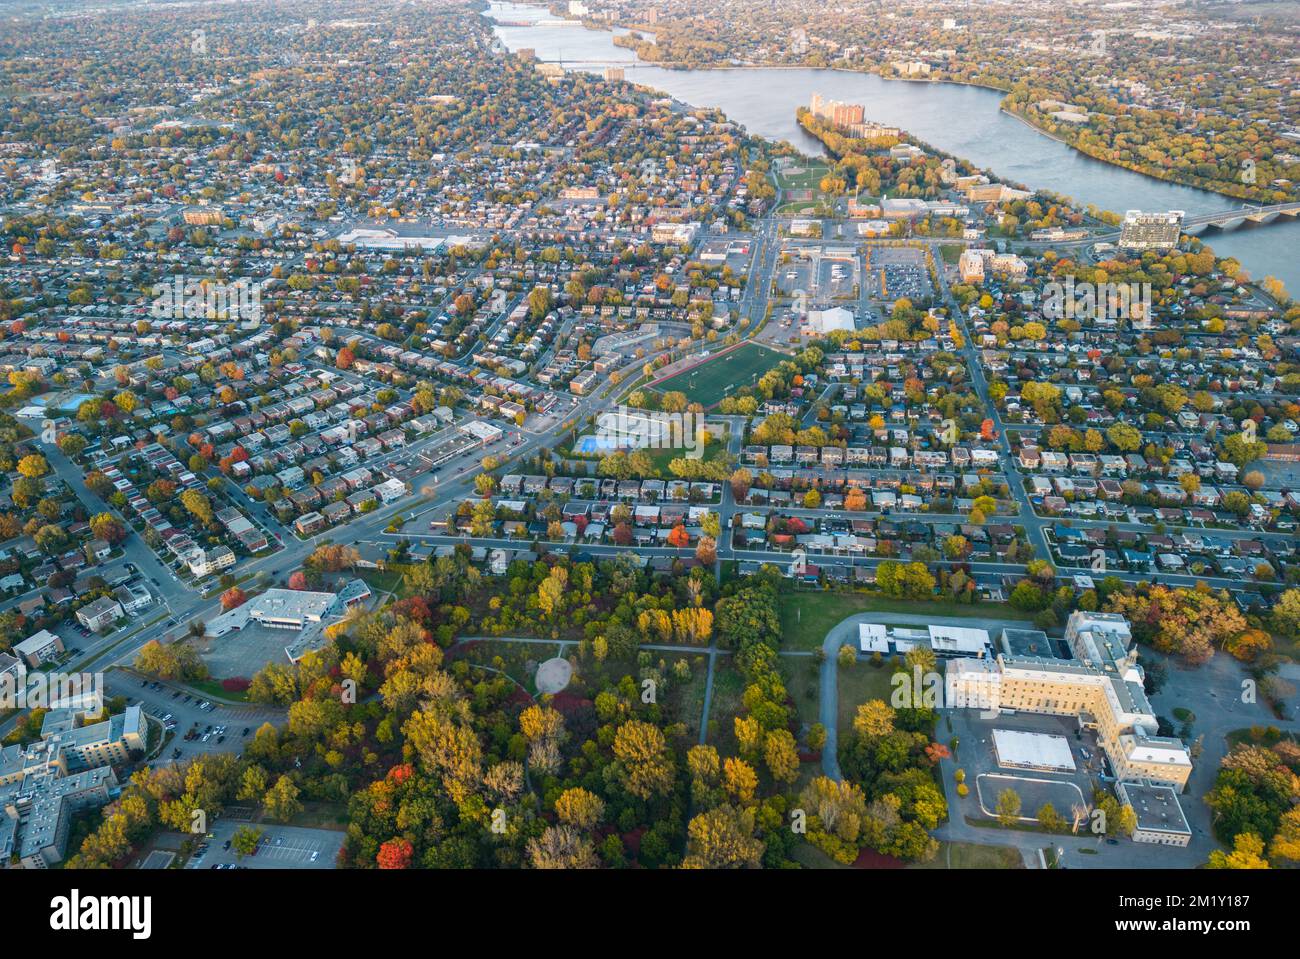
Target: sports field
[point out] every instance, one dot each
(717, 376)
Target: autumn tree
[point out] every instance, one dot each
(579, 808)
(33, 466)
(395, 854)
(643, 764)
(723, 838)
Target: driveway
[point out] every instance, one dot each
(846, 634)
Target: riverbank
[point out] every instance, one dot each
(1216, 187)
(959, 119)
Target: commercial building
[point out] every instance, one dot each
(1022, 750)
(133, 597)
(821, 322)
(391, 490)
(1150, 231)
(1101, 686)
(944, 641)
(903, 208)
(303, 611)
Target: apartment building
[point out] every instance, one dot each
(1150, 231)
(203, 562)
(40, 647)
(100, 614)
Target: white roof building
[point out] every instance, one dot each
(826, 321)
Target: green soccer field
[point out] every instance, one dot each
(718, 376)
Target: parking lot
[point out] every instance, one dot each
(281, 847)
(836, 278)
(794, 276)
(896, 272)
(188, 712)
(988, 779)
(244, 651)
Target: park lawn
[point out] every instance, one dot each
(802, 675)
(808, 178)
(322, 815)
(951, 253)
(799, 208)
(808, 615)
(387, 580)
(716, 377)
(967, 855)
(859, 683)
(213, 688)
(810, 857)
(687, 699)
(713, 450)
(1239, 736)
(728, 687)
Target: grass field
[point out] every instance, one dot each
(805, 176)
(859, 683)
(965, 855)
(717, 376)
(807, 616)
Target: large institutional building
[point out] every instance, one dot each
(1101, 685)
(305, 612)
(69, 769)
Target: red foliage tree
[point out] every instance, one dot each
(233, 597)
(679, 537)
(298, 580)
(395, 854)
(414, 608)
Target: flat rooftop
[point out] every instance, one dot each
(1157, 807)
(1028, 643)
(1021, 750)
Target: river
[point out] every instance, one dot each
(962, 120)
